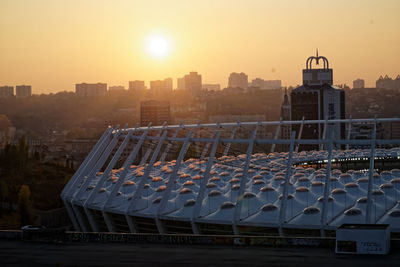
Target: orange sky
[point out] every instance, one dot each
(53, 44)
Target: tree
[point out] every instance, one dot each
(25, 205)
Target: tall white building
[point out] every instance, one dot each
(238, 80)
(90, 89)
(6, 91)
(23, 90)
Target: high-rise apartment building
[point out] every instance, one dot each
(137, 85)
(156, 112)
(193, 82)
(90, 89)
(180, 83)
(6, 91)
(318, 99)
(238, 80)
(23, 90)
(359, 83)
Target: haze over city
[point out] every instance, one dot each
(205, 133)
(52, 45)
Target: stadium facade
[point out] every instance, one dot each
(221, 191)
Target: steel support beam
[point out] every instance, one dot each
(327, 186)
(368, 217)
(288, 174)
(148, 152)
(348, 132)
(278, 129)
(300, 133)
(207, 145)
(203, 185)
(165, 153)
(228, 145)
(243, 181)
(142, 182)
(132, 156)
(171, 181)
(85, 168)
(321, 146)
(97, 166)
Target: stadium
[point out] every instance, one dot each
(233, 178)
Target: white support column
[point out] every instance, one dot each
(368, 217)
(90, 161)
(300, 133)
(142, 182)
(243, 181)
(109, 168)
(97, 166)
(80, 218)
(288, 174)
(148, 152)
(197, 133)
(92, 195)
(171, 181)
(165, 153)
(207, 146)
(132, 156)
(108, 221)
(92, 221)
(348, 132)
(86, 160)
(72, 216)
(327, 186)
(278, 129)
(228, 145)
(206, 177)
(321, 146)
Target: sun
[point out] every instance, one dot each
(158, 46)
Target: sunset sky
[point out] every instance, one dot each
(53, 44)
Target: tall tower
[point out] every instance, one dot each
(318, 99)
(285, 115)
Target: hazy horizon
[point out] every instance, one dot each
(52, 45)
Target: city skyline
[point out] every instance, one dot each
(110, 43)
